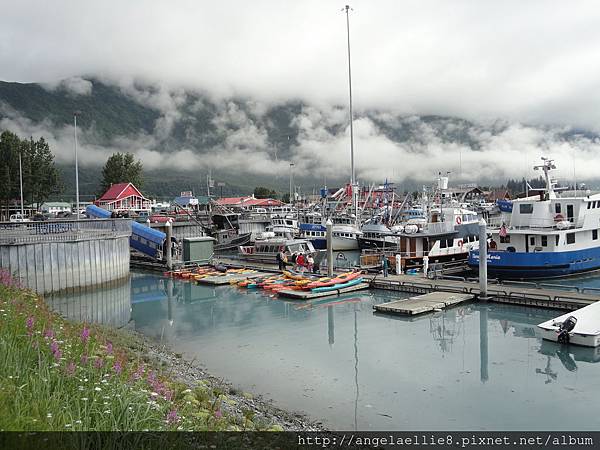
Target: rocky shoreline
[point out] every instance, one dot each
(238, 403)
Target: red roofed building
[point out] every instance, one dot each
(248, 202)
(123, 197)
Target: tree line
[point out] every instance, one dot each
(41, 178)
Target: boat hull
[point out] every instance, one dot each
(521, 265)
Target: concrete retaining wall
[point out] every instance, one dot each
(56, 266)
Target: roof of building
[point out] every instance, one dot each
(119, 191)
(248, 201)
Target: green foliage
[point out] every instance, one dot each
(121, 168)
(41, 178)
(285, 198)
(56, 375)
(263, 192)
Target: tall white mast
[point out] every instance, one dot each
(347, 9)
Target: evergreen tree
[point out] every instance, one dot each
(41, 178)
(121, 168)
(263, 192)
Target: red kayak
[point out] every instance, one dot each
(343, 278)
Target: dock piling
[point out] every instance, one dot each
(398, 264)
(168, 250)
(425, 266)
(483, 261)
(329, 225)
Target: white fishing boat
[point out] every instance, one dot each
(266, 251)
(547, 235)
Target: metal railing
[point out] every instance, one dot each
(62, 230)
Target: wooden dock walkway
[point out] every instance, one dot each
(423, 303)
(228, 279)
(503, 293)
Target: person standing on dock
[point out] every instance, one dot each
(310, 263)
(281, 259)
(385, 266)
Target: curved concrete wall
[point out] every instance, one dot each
(56, 266)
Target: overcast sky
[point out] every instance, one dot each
(527, 63)
(534, 61)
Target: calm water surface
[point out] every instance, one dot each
(470, 367)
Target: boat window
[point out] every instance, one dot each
(527, 208)
(594, 234)
(588, 205)
(532, 240)
(544, 241)
(557, 239)
(557, 208)
(570, 238)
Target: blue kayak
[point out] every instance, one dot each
(335, 287)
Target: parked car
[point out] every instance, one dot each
(17, 218)
(39, 217)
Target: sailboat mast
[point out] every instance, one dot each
(352, 175)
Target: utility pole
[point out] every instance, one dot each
(75, 114)
(21, 183)
(292, 183)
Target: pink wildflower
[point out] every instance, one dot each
(109, 348)
(57, 355)
(151, 377)
(218, 414)
(168, 395)
(84, 359)
(49, 334)
(98, 363)
(172, 417)
(71, 368)
(117, 367)
(85, 334)
(54, 347)
(29, 323)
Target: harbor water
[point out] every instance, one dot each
(472, 367)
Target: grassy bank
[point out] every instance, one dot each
(57, 375)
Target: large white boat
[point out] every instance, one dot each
(345, 234)
(548, 235)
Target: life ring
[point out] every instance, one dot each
(458, 220)
(559, 218)
(460, 243)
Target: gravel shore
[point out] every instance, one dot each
(191, 373)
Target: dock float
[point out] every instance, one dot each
(309, 295)
(423, 303)
(516, 294)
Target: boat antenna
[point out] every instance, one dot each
(347, 10)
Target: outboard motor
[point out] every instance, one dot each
(565, 328)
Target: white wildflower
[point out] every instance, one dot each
(78, 421)
(68, 425)
(49, 415)
(97, 389)
(85, 399)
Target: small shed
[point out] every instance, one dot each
(198, 249)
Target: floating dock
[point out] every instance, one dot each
(423, 303)
(528, 294)
(309, 295)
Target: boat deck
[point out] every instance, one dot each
(423, 303)
(228, 279)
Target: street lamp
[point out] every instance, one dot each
(75, 114)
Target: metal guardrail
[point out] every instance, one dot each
(62, 230)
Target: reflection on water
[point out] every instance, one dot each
(110, 305)
(475, 366)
